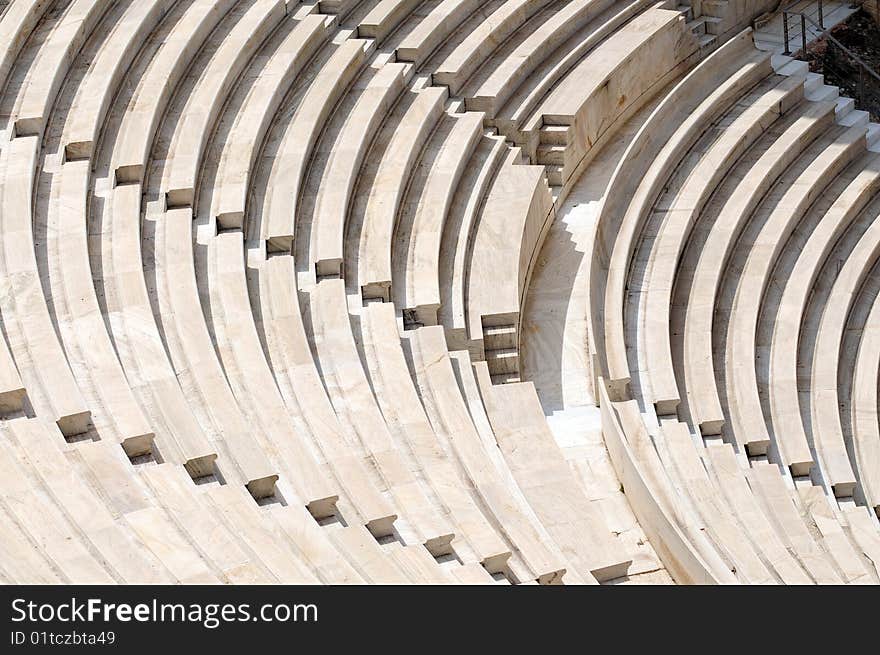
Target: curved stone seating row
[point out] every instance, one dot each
(236, 555)
(29, 510)
(546, 480)
(827, 431)
(348, 388)
(455, 251)
(514, 219)
(864, 411)
(95, 94)
(87, 345)
(298, 141)
(18, 21)
(387, 193)
(242, 146)
(48, 380)
(187, 30)
(179, 436)
(671, 130)
(703, 399)
(334, 196)
(740, 356)
(250, 379)
(620, 424)
(784, 356)
(418, 290)
(770, 486)
(195, 361)
(610, 83)
(384, 18)
(475, 538)
(762, 108)
(205, 100)
(37, 91)
(302, 389)
(522, 101)
(434, 29)
(493, 28)
(449, 416)
(718, 514)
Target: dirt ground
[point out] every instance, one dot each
(862, 36)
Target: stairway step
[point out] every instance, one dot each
(874, 137)
(499, 337)
(553, 155)
(824, 93)
(505, 379)
(504, 361)
(554, 175)
(707, 41)
(854, 118)
(554, 135)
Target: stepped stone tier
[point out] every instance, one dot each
(432, 291)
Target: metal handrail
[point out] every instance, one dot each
(820, 10)
(865, 70)
(825, 34)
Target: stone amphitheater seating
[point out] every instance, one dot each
(95, 94)
(192, 353)
(207, 97)
(384, 18)
(388, 190)
(250, 379)
(300, 384)
(269, 278)
(346, 157)
(243, 144)
(179, 437)
(38, 90)
(19, 20)
(829, 442)
(704, 399)
(419, 294)
(293, 158)
(784, 346)
(865, 434)
(434, 29)
(182, 39)
(518, 190)
(76, 309)
(49, 382)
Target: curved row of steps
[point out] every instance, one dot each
(730, 283)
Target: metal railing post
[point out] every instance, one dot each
(785, 31)
(821, 16)
(804, 32)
